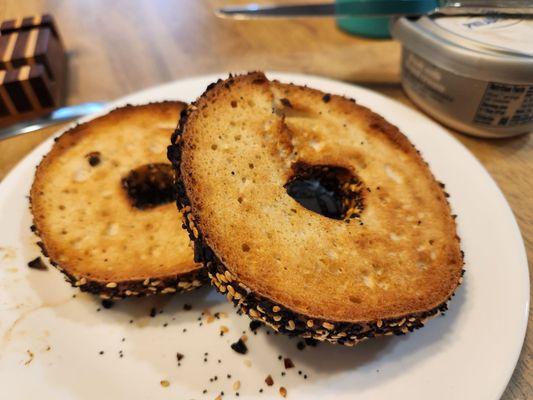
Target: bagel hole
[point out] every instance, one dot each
(333, 192)
(149, 185)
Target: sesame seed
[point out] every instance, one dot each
(328, 326)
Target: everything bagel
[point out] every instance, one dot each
(389, 261)
(102, 206)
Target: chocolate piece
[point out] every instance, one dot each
(23, 24)
(16, 92)
(42, 87)
(32, 68)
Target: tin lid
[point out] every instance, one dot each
(486, 48)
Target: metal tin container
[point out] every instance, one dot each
(473, 74)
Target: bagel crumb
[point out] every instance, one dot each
(288, 363)
(37, 263)
(239, 347)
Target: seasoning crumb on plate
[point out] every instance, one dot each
(283, 391)
(269, 381)
(37, 263)
(239, 347)
(106, 303)
(254, 325)
(31, 355)
(288, 363)
(165, 383)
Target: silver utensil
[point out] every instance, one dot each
(55, 117)
(375, 8)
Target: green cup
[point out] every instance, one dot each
(373, 27)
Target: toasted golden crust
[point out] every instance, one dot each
(86, 221)
(399, 259)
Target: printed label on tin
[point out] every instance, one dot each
(505, 105)
(498, 108)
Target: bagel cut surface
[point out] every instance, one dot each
(392, 259)
(104, 240)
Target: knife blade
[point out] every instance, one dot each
(373, 8)
(55, 117)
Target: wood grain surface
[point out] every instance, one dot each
(121, 46)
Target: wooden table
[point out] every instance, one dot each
(121, 46)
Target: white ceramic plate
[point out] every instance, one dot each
(50, 341)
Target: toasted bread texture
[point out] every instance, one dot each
(89, 225)
(392, 261)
